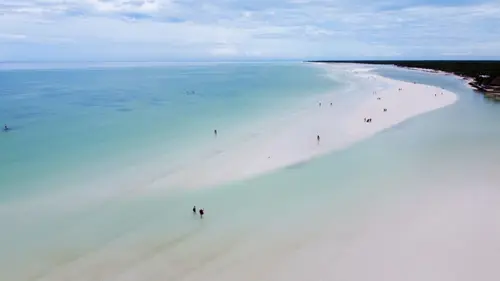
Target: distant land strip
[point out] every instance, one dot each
(484, 75)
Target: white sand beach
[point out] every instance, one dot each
(293, 139)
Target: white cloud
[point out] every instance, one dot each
(224, 51)
(10, 36)
(454, 54)
(136, 6)
(274, 28)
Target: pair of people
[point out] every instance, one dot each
(201, 211)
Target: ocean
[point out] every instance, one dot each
(72, 124)
(82, 195)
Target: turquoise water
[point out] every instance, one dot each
(72, 125)
(156, 237)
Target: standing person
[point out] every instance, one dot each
(318, 138)
(202, 212)
(215, 132)
(194, 209)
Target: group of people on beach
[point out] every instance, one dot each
(201, 211)
(369, 120)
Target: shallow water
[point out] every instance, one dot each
(250, 226)
(69, 126)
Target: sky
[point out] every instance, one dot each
(190, 30)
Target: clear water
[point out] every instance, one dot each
(88, 122)
(73, 125)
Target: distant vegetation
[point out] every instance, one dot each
(485, 75)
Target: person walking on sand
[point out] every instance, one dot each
(202, 212)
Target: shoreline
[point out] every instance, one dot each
(284, 141)
(482, 76)
(293, 141)
(470, 81)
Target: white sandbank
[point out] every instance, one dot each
(293, 139)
